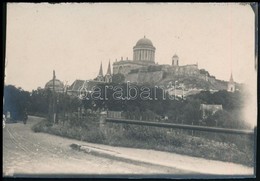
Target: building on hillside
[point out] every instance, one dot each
(209, 109)
(142, 69)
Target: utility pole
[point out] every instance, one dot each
(192, 130)
(182, 91)
(53, 98)
(175, 89)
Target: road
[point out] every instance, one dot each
(29, 153)
(26, 153)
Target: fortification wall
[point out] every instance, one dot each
(145, 77)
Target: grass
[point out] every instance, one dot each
(235, 148)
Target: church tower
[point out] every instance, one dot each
(100, 74)
(108, 76)
(175, 60)
(231, 84)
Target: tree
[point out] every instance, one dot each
(40, 101)
(191, 111)
(16, 101)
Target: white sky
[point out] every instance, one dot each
(74, 38)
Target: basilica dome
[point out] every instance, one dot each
(144, 51)
(144, 42)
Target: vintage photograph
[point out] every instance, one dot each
(132, 90)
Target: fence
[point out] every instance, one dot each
(181, 126)
(114, 114)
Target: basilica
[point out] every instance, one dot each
(142, 69)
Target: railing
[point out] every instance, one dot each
(181, 126)
(114, 114)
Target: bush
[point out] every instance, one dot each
(41, 126)
(231, 148)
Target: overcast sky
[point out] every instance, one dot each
(74, 38)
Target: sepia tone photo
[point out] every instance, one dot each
(133, 90)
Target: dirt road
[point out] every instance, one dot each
(26, 153)
(29, 153)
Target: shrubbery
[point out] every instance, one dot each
(231, 148)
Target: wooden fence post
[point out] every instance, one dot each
(102, 121)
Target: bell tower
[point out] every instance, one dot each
(175, 60)
(231, 84)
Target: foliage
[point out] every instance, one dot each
(203, 71)
(16, 101)
(187, 111)
(40, 101)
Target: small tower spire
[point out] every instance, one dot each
(231, 80)
(109, 69)
(100, 70)
(108, 76)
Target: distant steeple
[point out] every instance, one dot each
(231, 84)
(108, 76)
(109, 69)
(231, 80)
(100, 70)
